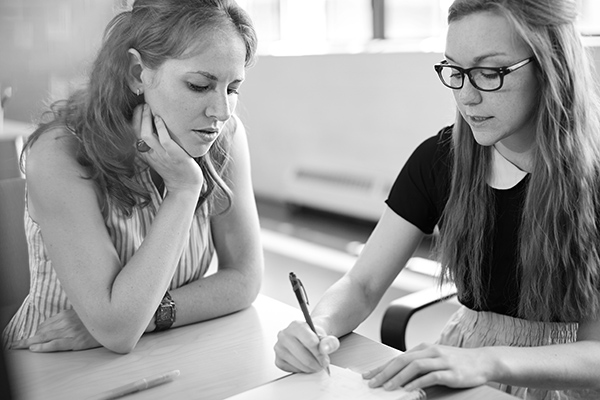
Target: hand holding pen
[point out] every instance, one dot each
(303, 302)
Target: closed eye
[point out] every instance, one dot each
(197, 88)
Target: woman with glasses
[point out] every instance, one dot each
(513, 187)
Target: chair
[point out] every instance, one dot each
(395, 319)
(14, 258)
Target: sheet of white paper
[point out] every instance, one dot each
(343, 384)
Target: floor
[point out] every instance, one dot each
(319, 247)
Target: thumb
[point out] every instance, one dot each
(328, 345)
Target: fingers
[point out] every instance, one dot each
(407, 377)
(298, 349)
(146, 128)
(295, 358)
(53, 346)
(370, 374)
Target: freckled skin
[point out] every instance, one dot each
(220, 55)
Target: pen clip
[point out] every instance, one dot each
(298, 287)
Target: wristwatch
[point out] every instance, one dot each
(165, 313)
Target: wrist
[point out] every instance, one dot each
(323, 323)
(497, 369)
(165, 313)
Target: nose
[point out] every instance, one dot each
(219, 107)
(468, 94)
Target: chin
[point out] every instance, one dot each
(485, 138)
(198, 151)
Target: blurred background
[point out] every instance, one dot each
(342, 93)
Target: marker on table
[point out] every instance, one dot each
(139, 385)
(303, 301)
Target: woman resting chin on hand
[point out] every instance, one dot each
(137, 180)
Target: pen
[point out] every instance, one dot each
(298, 288)
(139, 385)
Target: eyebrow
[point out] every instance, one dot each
(478, 59)
(212, 77)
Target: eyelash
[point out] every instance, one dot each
(202, 89)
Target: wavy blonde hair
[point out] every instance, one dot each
(100, 114)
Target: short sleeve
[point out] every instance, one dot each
(421, 189)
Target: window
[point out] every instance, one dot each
(329, 26)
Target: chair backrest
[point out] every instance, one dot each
(14, 259)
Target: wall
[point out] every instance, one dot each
(45, 45)
(329, 131)
(332, 131)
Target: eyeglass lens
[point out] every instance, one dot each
(482, 78)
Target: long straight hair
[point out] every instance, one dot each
(558, 258)
(100, 114)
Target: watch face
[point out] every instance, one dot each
(165, 314)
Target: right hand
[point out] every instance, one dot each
(178, 169)
(298, 349)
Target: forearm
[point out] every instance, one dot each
(222, 293)
(139, 286)
(342, 308)
(560, 367)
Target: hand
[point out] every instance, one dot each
(177, 168)
(298, 349)
(61, 332)
(427, 365)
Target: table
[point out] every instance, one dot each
(217, 359)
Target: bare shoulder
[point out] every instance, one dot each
(54, 177)
(54, 152)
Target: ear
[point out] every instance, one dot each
(136, 67)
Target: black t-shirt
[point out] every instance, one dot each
(419, 195)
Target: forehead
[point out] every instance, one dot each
(481, 35)
(219, 52)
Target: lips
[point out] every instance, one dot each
(207, 131)
(477, 118)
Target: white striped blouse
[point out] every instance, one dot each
(46, 296)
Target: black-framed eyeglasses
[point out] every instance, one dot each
(487, 79)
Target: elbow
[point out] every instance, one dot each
(120, 348)
(119, 342)
(251, 285)
(255, 282)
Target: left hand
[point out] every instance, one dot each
(427, 365)
(61, 332)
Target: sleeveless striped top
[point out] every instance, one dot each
(46, 296)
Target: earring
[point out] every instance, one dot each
(137, 92)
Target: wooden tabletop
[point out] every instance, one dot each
(217, 359)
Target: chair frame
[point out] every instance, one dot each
(395, 320)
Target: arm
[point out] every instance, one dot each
(566, 366)
(352, 299)
(236, 236)
(114, 302)
(553, 367)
